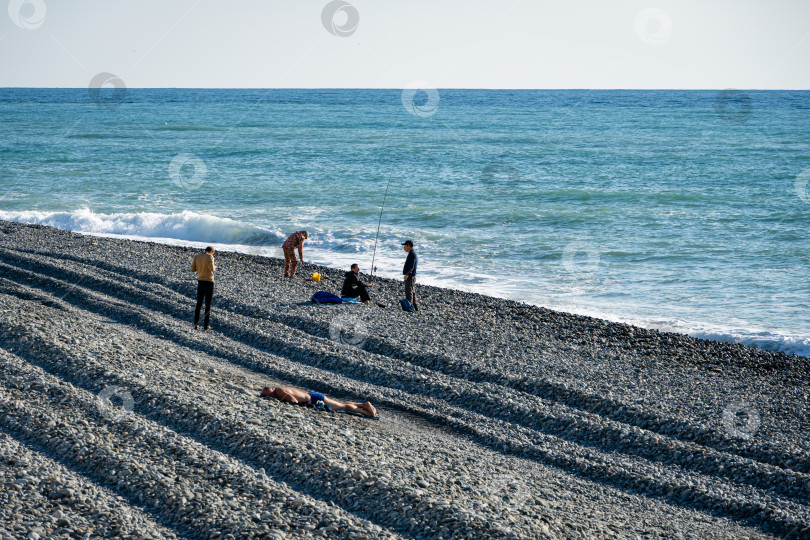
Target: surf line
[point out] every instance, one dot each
(379, 222)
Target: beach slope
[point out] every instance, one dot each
(497, 419)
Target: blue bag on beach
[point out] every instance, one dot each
(407, 306)
(323, 297)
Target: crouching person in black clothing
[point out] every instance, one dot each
(353, 287)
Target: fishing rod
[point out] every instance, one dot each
(379, 222)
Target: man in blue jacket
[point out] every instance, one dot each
(409, 273)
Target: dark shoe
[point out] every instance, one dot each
(196, 327)
(206, 328)
(381, 305)
(415, 307)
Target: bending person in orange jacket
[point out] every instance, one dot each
(293, 242)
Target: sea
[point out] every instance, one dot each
(684, 211)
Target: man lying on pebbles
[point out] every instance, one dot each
(291, 395)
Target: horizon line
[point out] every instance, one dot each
(400, 89)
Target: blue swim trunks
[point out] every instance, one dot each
(315, 397)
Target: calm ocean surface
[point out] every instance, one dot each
(679, 210)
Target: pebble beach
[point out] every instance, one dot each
(496, 419)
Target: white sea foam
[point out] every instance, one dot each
(185, 225)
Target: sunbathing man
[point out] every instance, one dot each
(291, 395)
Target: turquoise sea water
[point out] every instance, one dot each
(678, 210)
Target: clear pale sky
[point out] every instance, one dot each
(713, 44)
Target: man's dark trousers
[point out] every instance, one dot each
(360, 290)
(205, 291)
(410, 290)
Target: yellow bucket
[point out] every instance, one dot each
(316, 277)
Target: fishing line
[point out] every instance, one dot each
(379, 222)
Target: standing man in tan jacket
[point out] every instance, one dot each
(204, 265)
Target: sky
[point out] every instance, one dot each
(745, 44)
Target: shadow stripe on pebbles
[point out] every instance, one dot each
(41, 496)
(174, 478)
(631, 474)
(521, 408)
(189, 412)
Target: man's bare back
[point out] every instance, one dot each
(290, 395)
